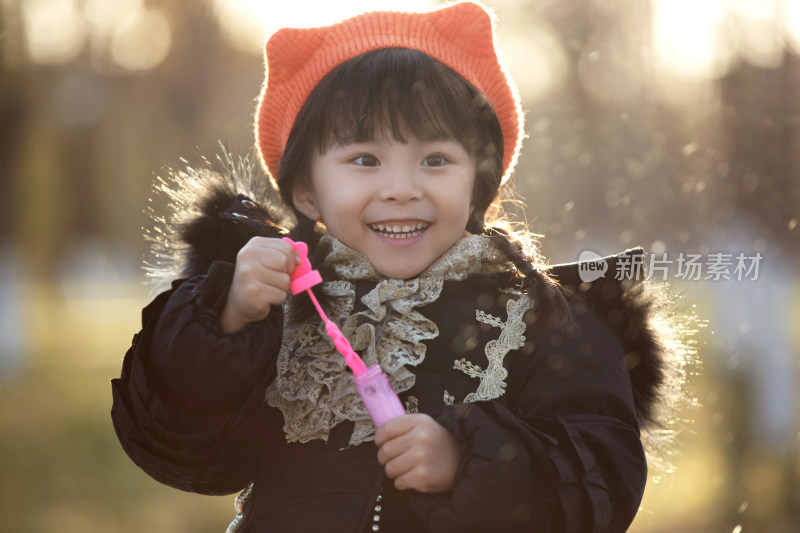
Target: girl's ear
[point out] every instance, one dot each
(304, 201)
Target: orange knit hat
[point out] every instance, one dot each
(459, 35)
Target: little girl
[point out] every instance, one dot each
(389, 136)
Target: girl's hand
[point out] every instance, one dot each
(418, 453)
(261, 279)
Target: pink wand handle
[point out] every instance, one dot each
(372, 384)
(378, 395)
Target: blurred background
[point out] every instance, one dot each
(670, 124)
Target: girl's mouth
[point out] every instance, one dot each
(405, 230)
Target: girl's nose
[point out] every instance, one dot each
(400, 185)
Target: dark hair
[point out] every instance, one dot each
(396, 93)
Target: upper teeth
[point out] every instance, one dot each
(396, 228)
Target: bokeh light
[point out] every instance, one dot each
(689, 38)
(103, 16)
(122, 36)
(54, 30)
(537, 58)
(142, 41)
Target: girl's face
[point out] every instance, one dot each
(402, 205)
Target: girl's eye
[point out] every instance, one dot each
(366, 160)
(434, 160)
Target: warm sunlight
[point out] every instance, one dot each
(54, 30)
(142, 41)
(791, 22)
(246, 23)
(537, 60)
(689, 38)
(663, 132)
(758, 36)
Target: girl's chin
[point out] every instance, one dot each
(395, 269)
(398, 273)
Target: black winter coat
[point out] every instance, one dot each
(559, 451)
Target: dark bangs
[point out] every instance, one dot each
(395, 93)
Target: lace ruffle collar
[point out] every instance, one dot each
(313, 388)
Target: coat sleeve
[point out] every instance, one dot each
(189, 404)
(561, 454)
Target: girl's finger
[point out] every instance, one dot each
(421, 478)
(393, 448)
(410, 479)
(273, 254)
(399, 466)
(395, 427)
(274, 258)
(279, 280)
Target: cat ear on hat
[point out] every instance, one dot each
(465, 25)
(469, 29)
(289, 49)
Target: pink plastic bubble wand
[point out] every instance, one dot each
(372, 384)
